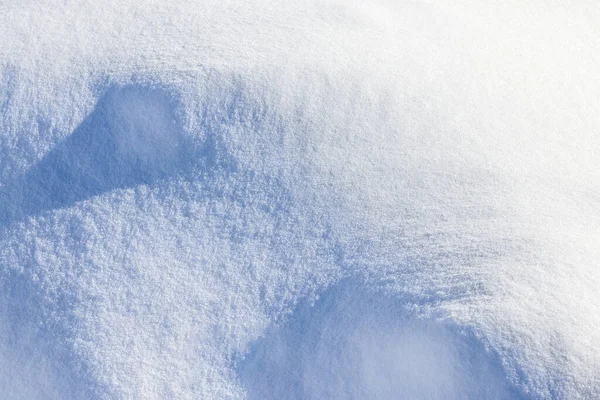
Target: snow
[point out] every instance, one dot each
(299, 200)
(357, 344)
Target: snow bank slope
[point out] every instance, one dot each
(308, 200)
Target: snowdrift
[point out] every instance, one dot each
(299, 201)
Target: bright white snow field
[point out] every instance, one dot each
(299, 199)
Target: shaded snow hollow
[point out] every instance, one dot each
(299, 201)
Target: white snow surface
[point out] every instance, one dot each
(299, 200)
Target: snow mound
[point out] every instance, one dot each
(356, 343)
(131, 138)
(299, 200)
